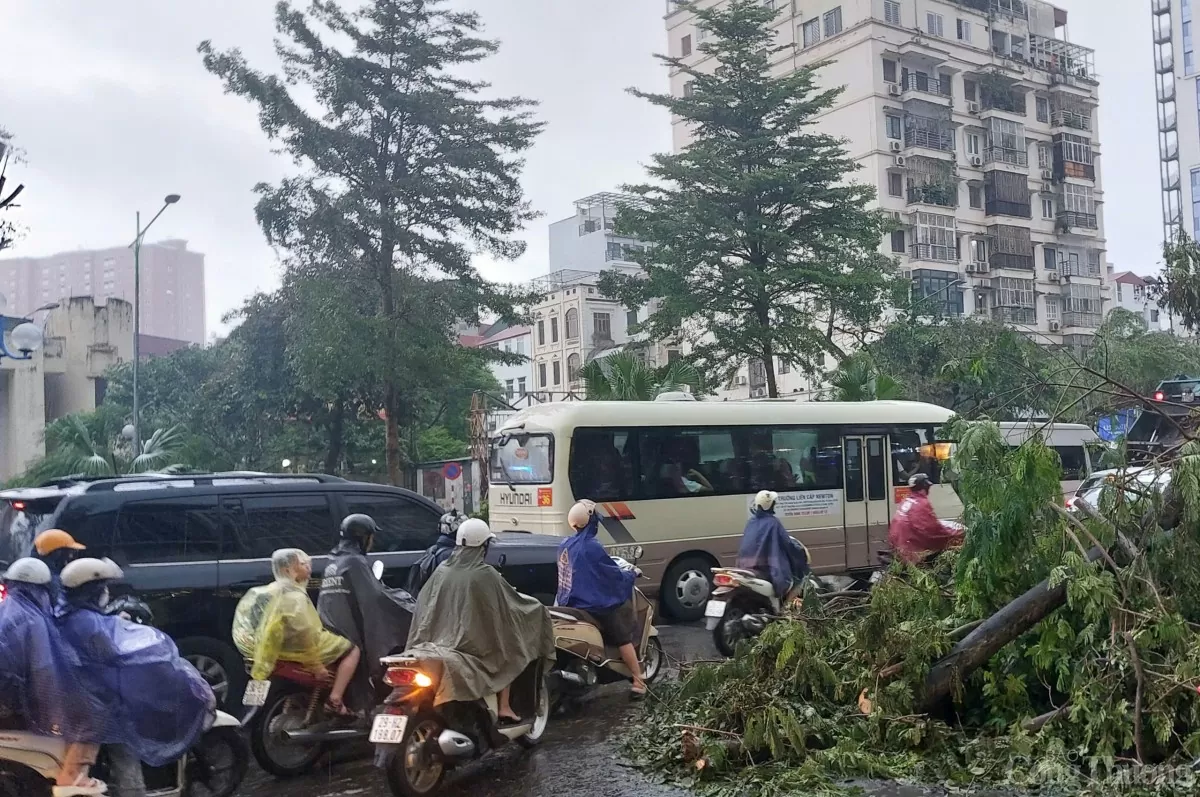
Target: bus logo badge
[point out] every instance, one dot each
(545, 496)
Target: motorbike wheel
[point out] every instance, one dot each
(541, 718)
(652, 662)
(283, 711)
(728, 632)
(217, 764)
(417, 769)
(16, 781)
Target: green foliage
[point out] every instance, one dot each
(858, 379)
(625, 377)
(783, 717)
(760, 246)
(1178, 289)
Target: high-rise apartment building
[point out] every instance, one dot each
(172, 288)
(1177, 90)
(976, 122)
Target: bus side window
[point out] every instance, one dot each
(854, 470)
(602, 465)
(1074, 462)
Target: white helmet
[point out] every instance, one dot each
(581, 514)
(85, 571)
(473, 533)
(765, 500)
(28, 571)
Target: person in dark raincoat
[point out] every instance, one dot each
(436, 554)
(767, 548)
(590, 580)
(356, 605)
(38, 685)
(154, 701)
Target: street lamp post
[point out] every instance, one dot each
(170, 199)
(27, 337)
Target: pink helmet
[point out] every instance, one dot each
(580, 514)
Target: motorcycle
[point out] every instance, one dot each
(214, 767)
(286, 721)
(583, 660)
(741, 606)
(417, 743)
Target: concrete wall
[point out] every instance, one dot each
(82, 341)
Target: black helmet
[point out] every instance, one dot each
(359, 528)
(920, 482)
(132, 608)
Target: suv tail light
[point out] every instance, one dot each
(1159, 395)
(3, 592)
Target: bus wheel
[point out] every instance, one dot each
(685, 589)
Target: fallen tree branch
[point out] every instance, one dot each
(963, 630)
(1037, 723)
(1137, 700)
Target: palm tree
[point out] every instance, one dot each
(625, 377)
(91, 444)
(857, 379)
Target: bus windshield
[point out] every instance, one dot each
(523, 459)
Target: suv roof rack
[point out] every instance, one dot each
(110, 483)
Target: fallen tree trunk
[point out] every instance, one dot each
(993, 634)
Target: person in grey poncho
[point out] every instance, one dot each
(483, 631)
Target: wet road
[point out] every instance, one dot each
(578, 757)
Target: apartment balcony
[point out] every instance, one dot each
(1071, 220)
(1012, 102)
(941, 195)
(1064, 168)
(1013, 157)
(1000, 207)
(934, 253)
(1072, 120)
(1067, 63)
(1008, 260)
(936, 139)
(1082, 320)
(1015, 315)
(922, 86)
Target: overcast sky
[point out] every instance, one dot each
(115, 110)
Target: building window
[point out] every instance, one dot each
(898, 242)
(541, 333)
(602, 326)
(1053, 304)
(1079, 199)
(573, 368)
(893, 126)
(970, 90)
(572, 324)
(975, 195)
(689, 89)
(1196, 195)
(937, 292)
(685, 46)
(811, 32)
(1050, 258)
(936, 237)
(541, 374)
(933, 25)
(964, 31)
(1043, 109)
(889, 71)
(973, 146)
(1120, 292)
(891, 12)
(979, 250)
(557, 369)
(833, 22)
(508, 389)
(554, 330)
(521, 385)
(785, 367)
(630, 318)
(701, 33)
(1043, 150)
(1047, 208)
(895, 184)
(1154, 316)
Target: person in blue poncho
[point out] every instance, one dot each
(154, 702)
(768, 549)
(589, 580)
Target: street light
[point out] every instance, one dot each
(27, 337)
(169, 199)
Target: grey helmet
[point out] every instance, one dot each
(448, 523)
(28, 571)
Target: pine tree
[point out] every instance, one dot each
(408, 169)
(760, 247)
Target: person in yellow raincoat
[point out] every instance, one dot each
(279, 622)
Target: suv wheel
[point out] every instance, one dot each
(220, 664)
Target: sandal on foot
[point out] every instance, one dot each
(84, 787)
(337, 709)
(637, 694)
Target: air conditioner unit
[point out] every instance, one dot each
(972, 268)
(973, 108)
(896, 146)
(1047, 174)
(1055, 326)
(758, 392)
(1047, 187)
(894, 89)
(976, 160)
(901, 161)
(1054, 276)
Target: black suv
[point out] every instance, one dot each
(192, 545)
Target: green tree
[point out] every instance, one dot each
(1177, 289)
(408, 170)
(858, 379)
(625, 377)
(91, 444)
(759, 245)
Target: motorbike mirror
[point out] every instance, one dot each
(503, 559)
(377, 569)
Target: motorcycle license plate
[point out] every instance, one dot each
(715, 609)
(388, 729)
(256, 693)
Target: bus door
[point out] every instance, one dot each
(867, 510)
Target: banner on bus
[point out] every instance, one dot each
(805, 504)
